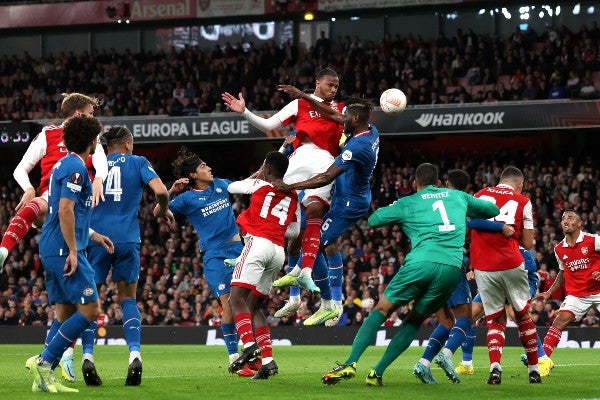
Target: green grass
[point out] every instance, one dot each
(200, 372)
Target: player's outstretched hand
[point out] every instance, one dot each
(26, 198)
(71, 264)
(596, 275)
(280, 185)
(235, 104)
(97, 192)
(103, 241)
(291, 90)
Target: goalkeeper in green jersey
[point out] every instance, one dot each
(434, 219)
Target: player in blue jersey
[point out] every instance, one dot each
(351, 198)
(117, 216)
(545, 362)
(65, 234)
(207, 206)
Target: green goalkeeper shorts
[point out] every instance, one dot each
(430, 284)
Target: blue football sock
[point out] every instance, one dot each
(292, 262)
(231, 337)
(436, 341)
(132, 326)
(468, 344)
(52, 331)
(321, 276)
(68, 332)
(88, 337)
(458, 333)
(336, 275)
(541, 352)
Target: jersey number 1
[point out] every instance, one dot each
(447, 226)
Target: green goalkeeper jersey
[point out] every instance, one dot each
(434, 219)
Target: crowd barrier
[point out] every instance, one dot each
(573, 337)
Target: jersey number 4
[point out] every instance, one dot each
(280, 210)
(507, 212)
(113, 183)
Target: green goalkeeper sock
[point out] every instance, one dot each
(400, 342)
(365, 335)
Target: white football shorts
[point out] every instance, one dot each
(258, 265)
(307, 161)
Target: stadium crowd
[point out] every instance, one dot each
(466, 67)
(172, 289)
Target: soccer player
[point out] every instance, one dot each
(207, 207)
(544, 362)
(271, 217)
(351, 198)
(69, 275)
(579, 263)
(500, 273)
(46, 149)
(118, 215)
(315, 146)
(454, 318)
(434, 219)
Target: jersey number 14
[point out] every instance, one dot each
(280, 210)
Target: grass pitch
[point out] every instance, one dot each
(200, 372)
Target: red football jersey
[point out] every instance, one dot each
(578, 262)
(321, 131)
(491, 251)
(54, 150)
(270, 212)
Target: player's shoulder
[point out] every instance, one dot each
(221, 182)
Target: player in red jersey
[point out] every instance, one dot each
(272, 216)
(500, 272)
(579, 263)
(315, 148)
(46, 149)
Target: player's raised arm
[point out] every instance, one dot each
(323, 109)
(239, 106)
(35, 152)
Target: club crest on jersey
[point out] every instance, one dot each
(88, 291)
(584, 250)
(219, 190)
(75, 182)
(347, 155)
(221, 286)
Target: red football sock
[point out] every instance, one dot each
(495, 340)
(528, 337)
(263, 339)
(551, 340)
(19, 225)
(310, 242)
(244, 327)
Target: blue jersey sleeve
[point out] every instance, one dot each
(71, 180)
(480, 224)
(177, 205)
(354, 151)
(146, 171)
(531, 268)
